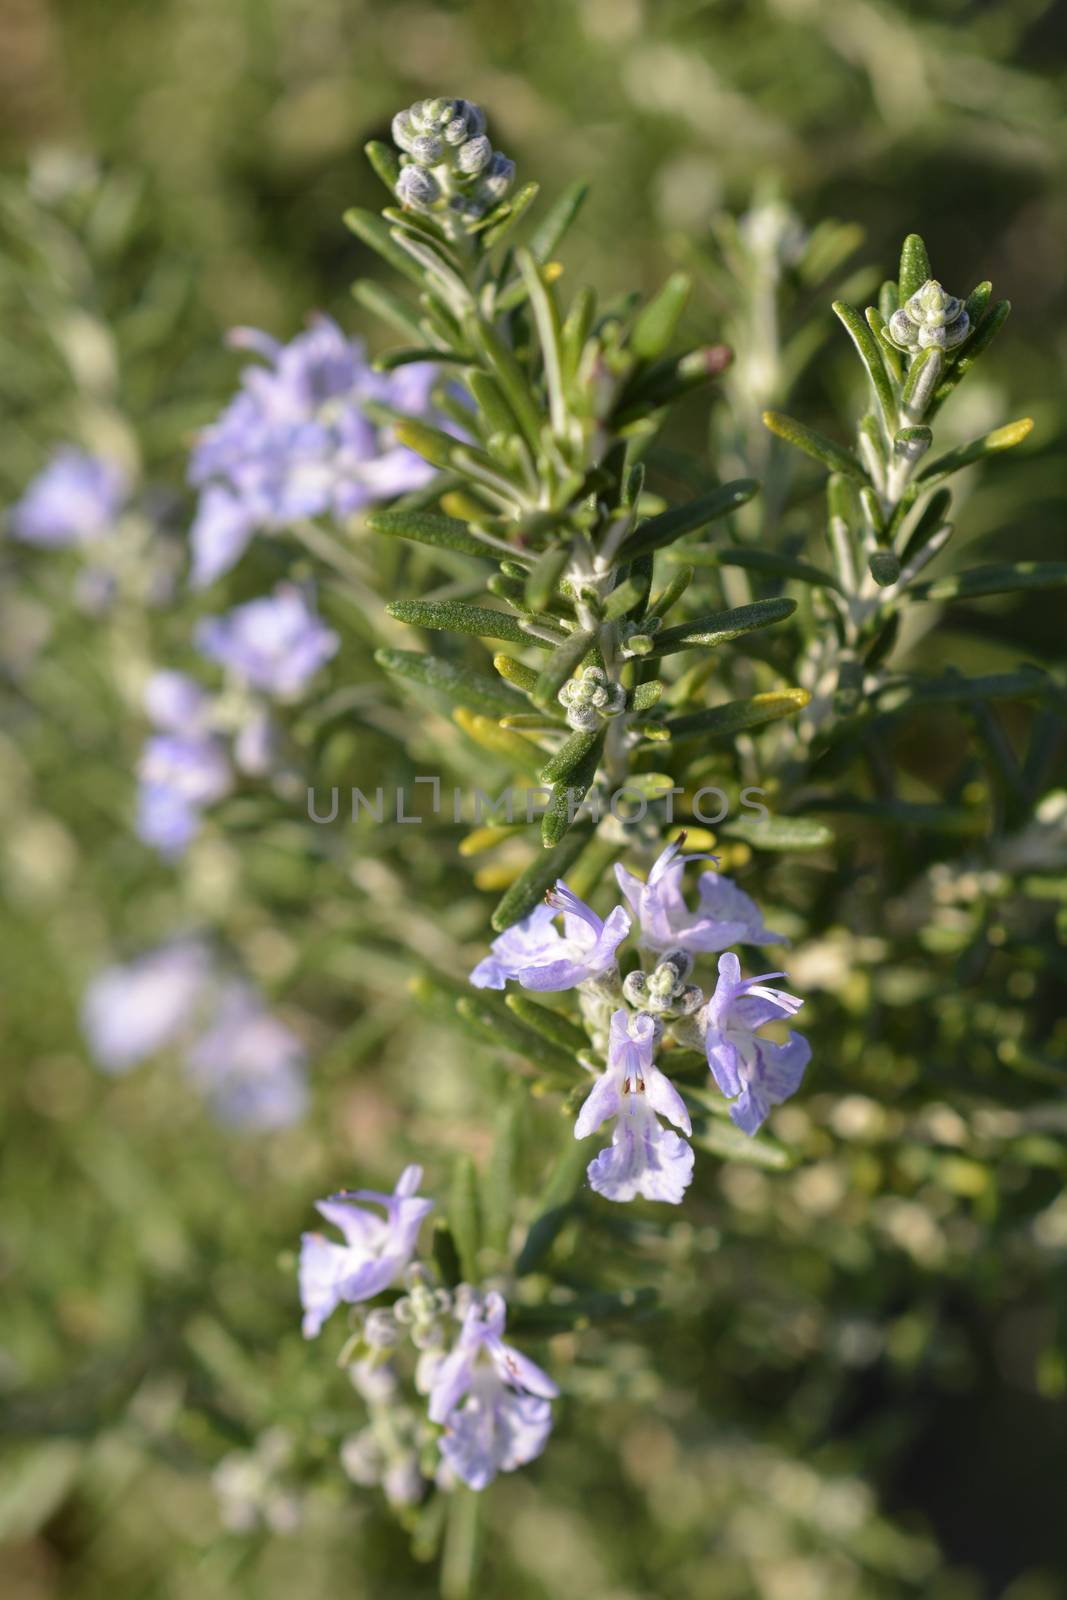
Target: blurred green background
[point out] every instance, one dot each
(856, 1386)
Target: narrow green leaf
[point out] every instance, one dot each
(772, 562)
(969, 352)
(568, 756)
(928, 526)
(736, 715)
(568, 794)
(921, 383)
(890, 355)
(464, 1217)
(454, 616)
(445, 1254)
(623, 599)
(506, 217)
(672, 592)
(430, 443)
(458, 684)
(427, 527)
(1012, 433)
(558, 1200)
(544, 576)
(816, 445)
(1004, 577)
(953, 820)
(547, 319)
(779, 833)
(657, 323)
(377, 234)
(560, 218)
(498, 1188)
(382, 302)
(408, 356)
(671, 525)
(516, 672)
(550, 1024)
(723, 1139)
(491, 402)
(561, 665)
(646, 695)
(871, 356)
(505, 743)
(529, 890)
(1027, 683)
(511, 378)
(501, 1025)
(386, 163)
(721, 627)
(914, 266)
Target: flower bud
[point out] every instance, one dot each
(403, 131)
(380, 1329)
(474, 156)
(427, 149)
(417, 189)
(929, 318)
(496, 180)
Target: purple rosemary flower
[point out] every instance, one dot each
(251, 1067)
(753, 1072)
(296, 441)
(725, 915)
(275, 644)
(180, 774)
(492, 1401)
(73, 501)
(538, 956)
(375, 1252)
(131, 1011)
(644, 1157)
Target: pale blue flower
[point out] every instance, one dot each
(753, 1072)
(250, 1066)
(180, 774)
(133, 1010)
(375, 1252)
(538, 956)
(73, 501)
(725, 915)
(492, 1401)
(644, 1157)
(296, 442)
(275, 644)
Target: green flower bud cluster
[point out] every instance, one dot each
(929, 318)
(448, 162)
(591, 698)
(664, 991)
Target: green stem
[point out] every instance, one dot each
(463, 1545)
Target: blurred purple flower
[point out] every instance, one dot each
(755, 1073)
(492, 1400)
(251, 1067)
(375, 1252)
(538, 956)
(275, 644)
(725, 915)
(74, 500)
(644, 1157)
(296, 442)
(130, 1011)
(182, 769)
